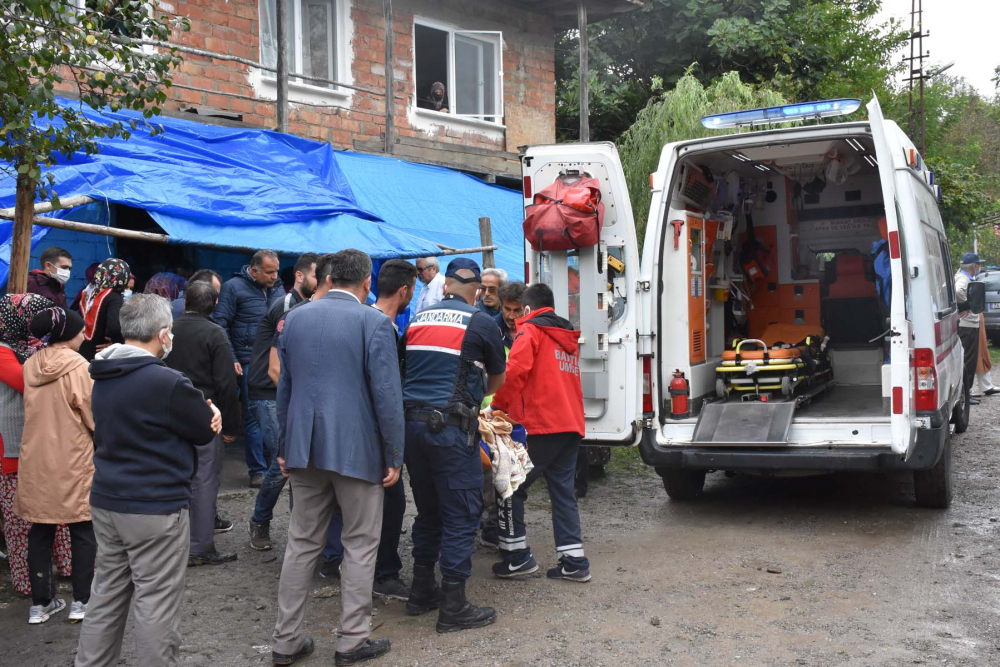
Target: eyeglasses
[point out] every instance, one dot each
(419, 270)
(489, 289)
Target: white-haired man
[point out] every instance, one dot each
(429, 273)
(489, 291)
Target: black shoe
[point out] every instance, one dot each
(391, 588)
(561, 571)
(507, 570)
(490, 540)
(457, 613)
(330, 569)
(371, 649)
(222, 525)
(282, 659)
(973, 401)
(425, 594)
(256, 480)
(260, 535)
(211, 558)
(991, 392)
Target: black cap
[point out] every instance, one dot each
(56, 323)
(459, 263)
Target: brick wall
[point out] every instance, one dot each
(233, 28)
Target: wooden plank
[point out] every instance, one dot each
(389, 80)
(486, 238)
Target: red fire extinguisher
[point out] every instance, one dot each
(679, 393)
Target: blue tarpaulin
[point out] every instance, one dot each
(243, 188)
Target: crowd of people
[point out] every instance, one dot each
(115, 413)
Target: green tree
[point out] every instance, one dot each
(95, 54)
(804, 49)
(676, 116)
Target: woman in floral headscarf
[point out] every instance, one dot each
(166, 284)
(101, 307)
(16, 345)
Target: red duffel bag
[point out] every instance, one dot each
(567, 215)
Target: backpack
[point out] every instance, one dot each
(567, 215)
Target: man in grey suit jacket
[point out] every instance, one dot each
(340, 439)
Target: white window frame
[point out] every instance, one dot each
(492, 120)
(303, 91)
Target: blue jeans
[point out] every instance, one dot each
(266, 415)
(387, 562)
(257, 458)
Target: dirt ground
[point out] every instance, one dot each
(832, 570)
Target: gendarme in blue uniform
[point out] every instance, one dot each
(450, 349)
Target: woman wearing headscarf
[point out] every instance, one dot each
(77, 304)
(100, 309)
(16, 347)
(57, 461)
(166, 284)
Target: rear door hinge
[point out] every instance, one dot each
(642, 286)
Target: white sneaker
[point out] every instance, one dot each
(77, 611)
(39, 614)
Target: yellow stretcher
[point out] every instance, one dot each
(761, 367)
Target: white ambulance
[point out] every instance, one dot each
(795, 289)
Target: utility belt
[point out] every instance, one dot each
(460, 416)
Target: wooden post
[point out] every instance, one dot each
(281, 10)
(20, 243)
(584, 72)
(486, 239)
(390, 81)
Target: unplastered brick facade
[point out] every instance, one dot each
(354, 34)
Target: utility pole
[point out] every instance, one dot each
(917, 125)
(584, 72)
(281, 12)
(390, 80)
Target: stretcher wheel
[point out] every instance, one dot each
(786, 386)
(720, 388)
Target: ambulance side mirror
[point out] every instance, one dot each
(977, 297)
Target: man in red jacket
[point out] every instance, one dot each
(543, 392)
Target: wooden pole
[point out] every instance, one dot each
(281, 10)
(390, 81)
(584, 72)
(486, 238)
(20, 244)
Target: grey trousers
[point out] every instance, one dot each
(141, 563)
(317, 494)
(204, 493)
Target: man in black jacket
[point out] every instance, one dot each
(150, 420)
(201, 351)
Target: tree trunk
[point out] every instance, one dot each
(20, 245)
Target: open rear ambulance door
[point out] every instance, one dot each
(597, 289)
(901, 333)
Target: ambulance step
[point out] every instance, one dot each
(754, 423)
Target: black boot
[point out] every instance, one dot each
(425, 594)
(457, 613)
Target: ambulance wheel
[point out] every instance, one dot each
(720, 388)
(786, 386)
(933, 486)
(960, 415)
(682, 484)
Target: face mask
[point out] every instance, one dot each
(127, 293)
(168, 350)
(62, 275)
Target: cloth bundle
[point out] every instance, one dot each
(508, 457)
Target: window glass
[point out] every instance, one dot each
(458, 72)
(475, 76)
(313, 48)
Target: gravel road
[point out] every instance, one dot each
(833, 570)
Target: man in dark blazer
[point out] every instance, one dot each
(340, 439)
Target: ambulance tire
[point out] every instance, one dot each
(960, 415)
(933, 486)
(682, 484)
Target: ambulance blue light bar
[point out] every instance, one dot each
(782, 114)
